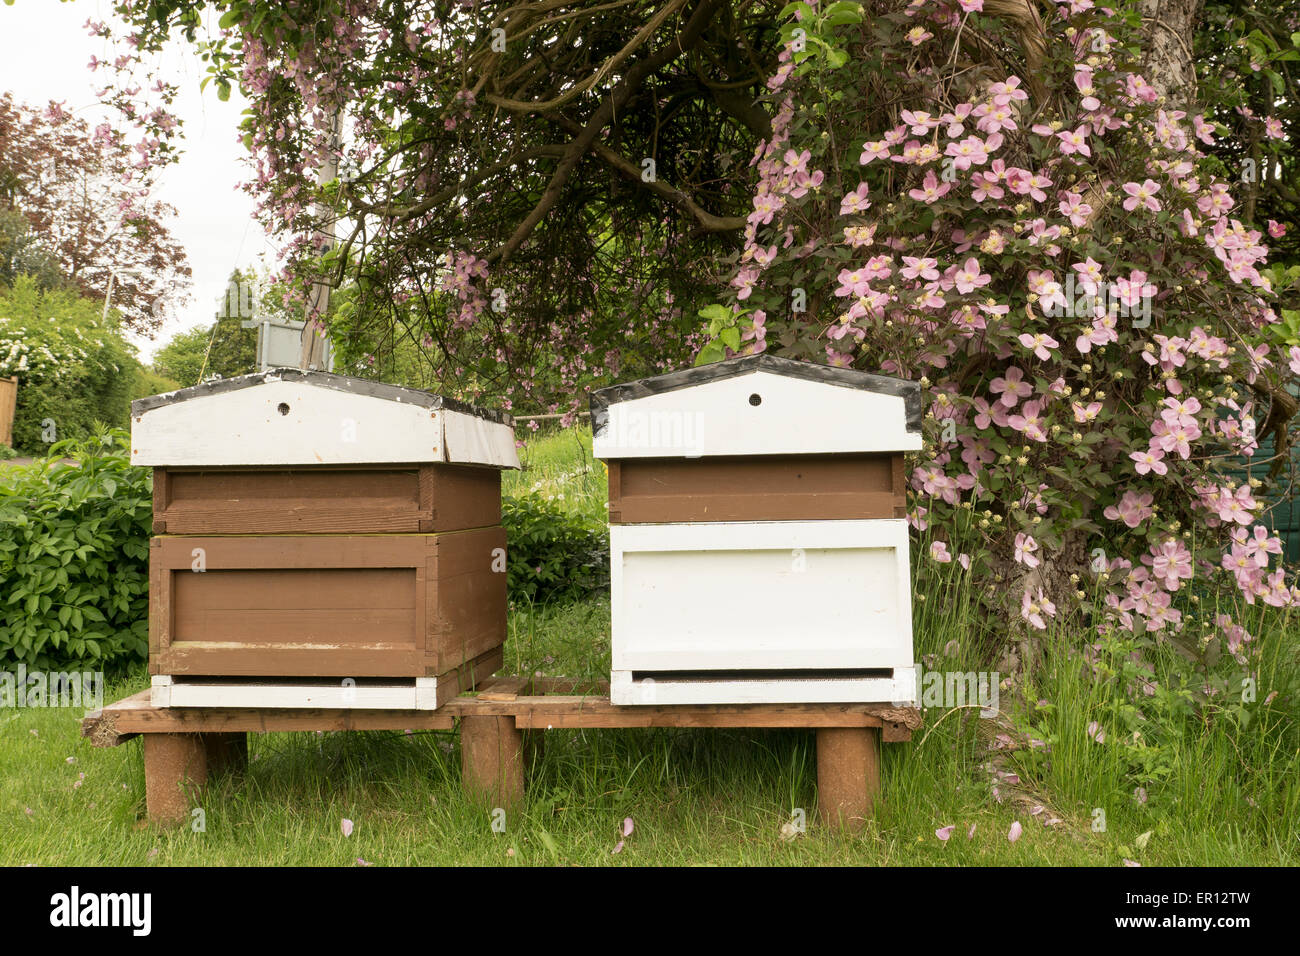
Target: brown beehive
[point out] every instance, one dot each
(322, 540)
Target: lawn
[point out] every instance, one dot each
(1216, 787)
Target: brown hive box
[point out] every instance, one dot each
(322, 541)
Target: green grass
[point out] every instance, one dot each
(1219, 793)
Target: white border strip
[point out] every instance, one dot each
(422, 694)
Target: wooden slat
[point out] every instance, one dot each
(468, 676)
(8, 405)
(400, 499)
(231, 659)
(770, 488)
(469, 606)
(136, 715)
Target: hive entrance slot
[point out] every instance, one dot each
(763, 675)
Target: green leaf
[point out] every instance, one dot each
(709, 354)
(731, 338)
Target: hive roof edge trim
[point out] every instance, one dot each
(910, 392)
(350, 421)
(342, 383)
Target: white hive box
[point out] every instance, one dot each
(758, 544)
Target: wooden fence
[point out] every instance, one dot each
(8, 401)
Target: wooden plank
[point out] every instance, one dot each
(8, 406)
(230, 659)
(326, 605)
(470, 675)
(336, 500)
(766, 488)
(565, 711)
(160, 500)
(469, 600)
(294, 551)
(136, 715)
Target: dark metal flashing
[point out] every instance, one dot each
(341, 383)
(909, 392)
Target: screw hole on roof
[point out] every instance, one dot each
(756, 399)
(282, 408)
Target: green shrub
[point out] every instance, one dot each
(74, 369)
(553, 555)
(74, 557)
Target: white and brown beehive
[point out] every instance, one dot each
(758, 539)
(322, 541)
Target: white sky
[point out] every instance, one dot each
(44, 49)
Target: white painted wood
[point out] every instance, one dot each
(323, 426)
(320, 426)
(898, 690)
(795, 416)
(779, 595)
(468, 438)
(426, 693)
(420, 694)
(160, 691)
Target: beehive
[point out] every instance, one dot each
(322, 541)
(758, 539)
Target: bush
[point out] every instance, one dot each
(552, 555)
(74, 557)
(74, 370)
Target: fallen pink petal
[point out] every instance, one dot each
(347, 827)
(1014, 833)
(627, 826)
(943, 833)
(970, 834)
(618, 847)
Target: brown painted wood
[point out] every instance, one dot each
(160, 492)
(467, 597)
(492, 761)
(763, 488)
(334, 500)
(175, 769)
(8, 406)
(469, 675)
(848, 775)
(137, 715)
(325, 605)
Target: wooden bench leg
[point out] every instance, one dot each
(492, 761)
(848, 775)
(175, 767)
(226, 753)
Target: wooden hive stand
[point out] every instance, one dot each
(182, 747)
